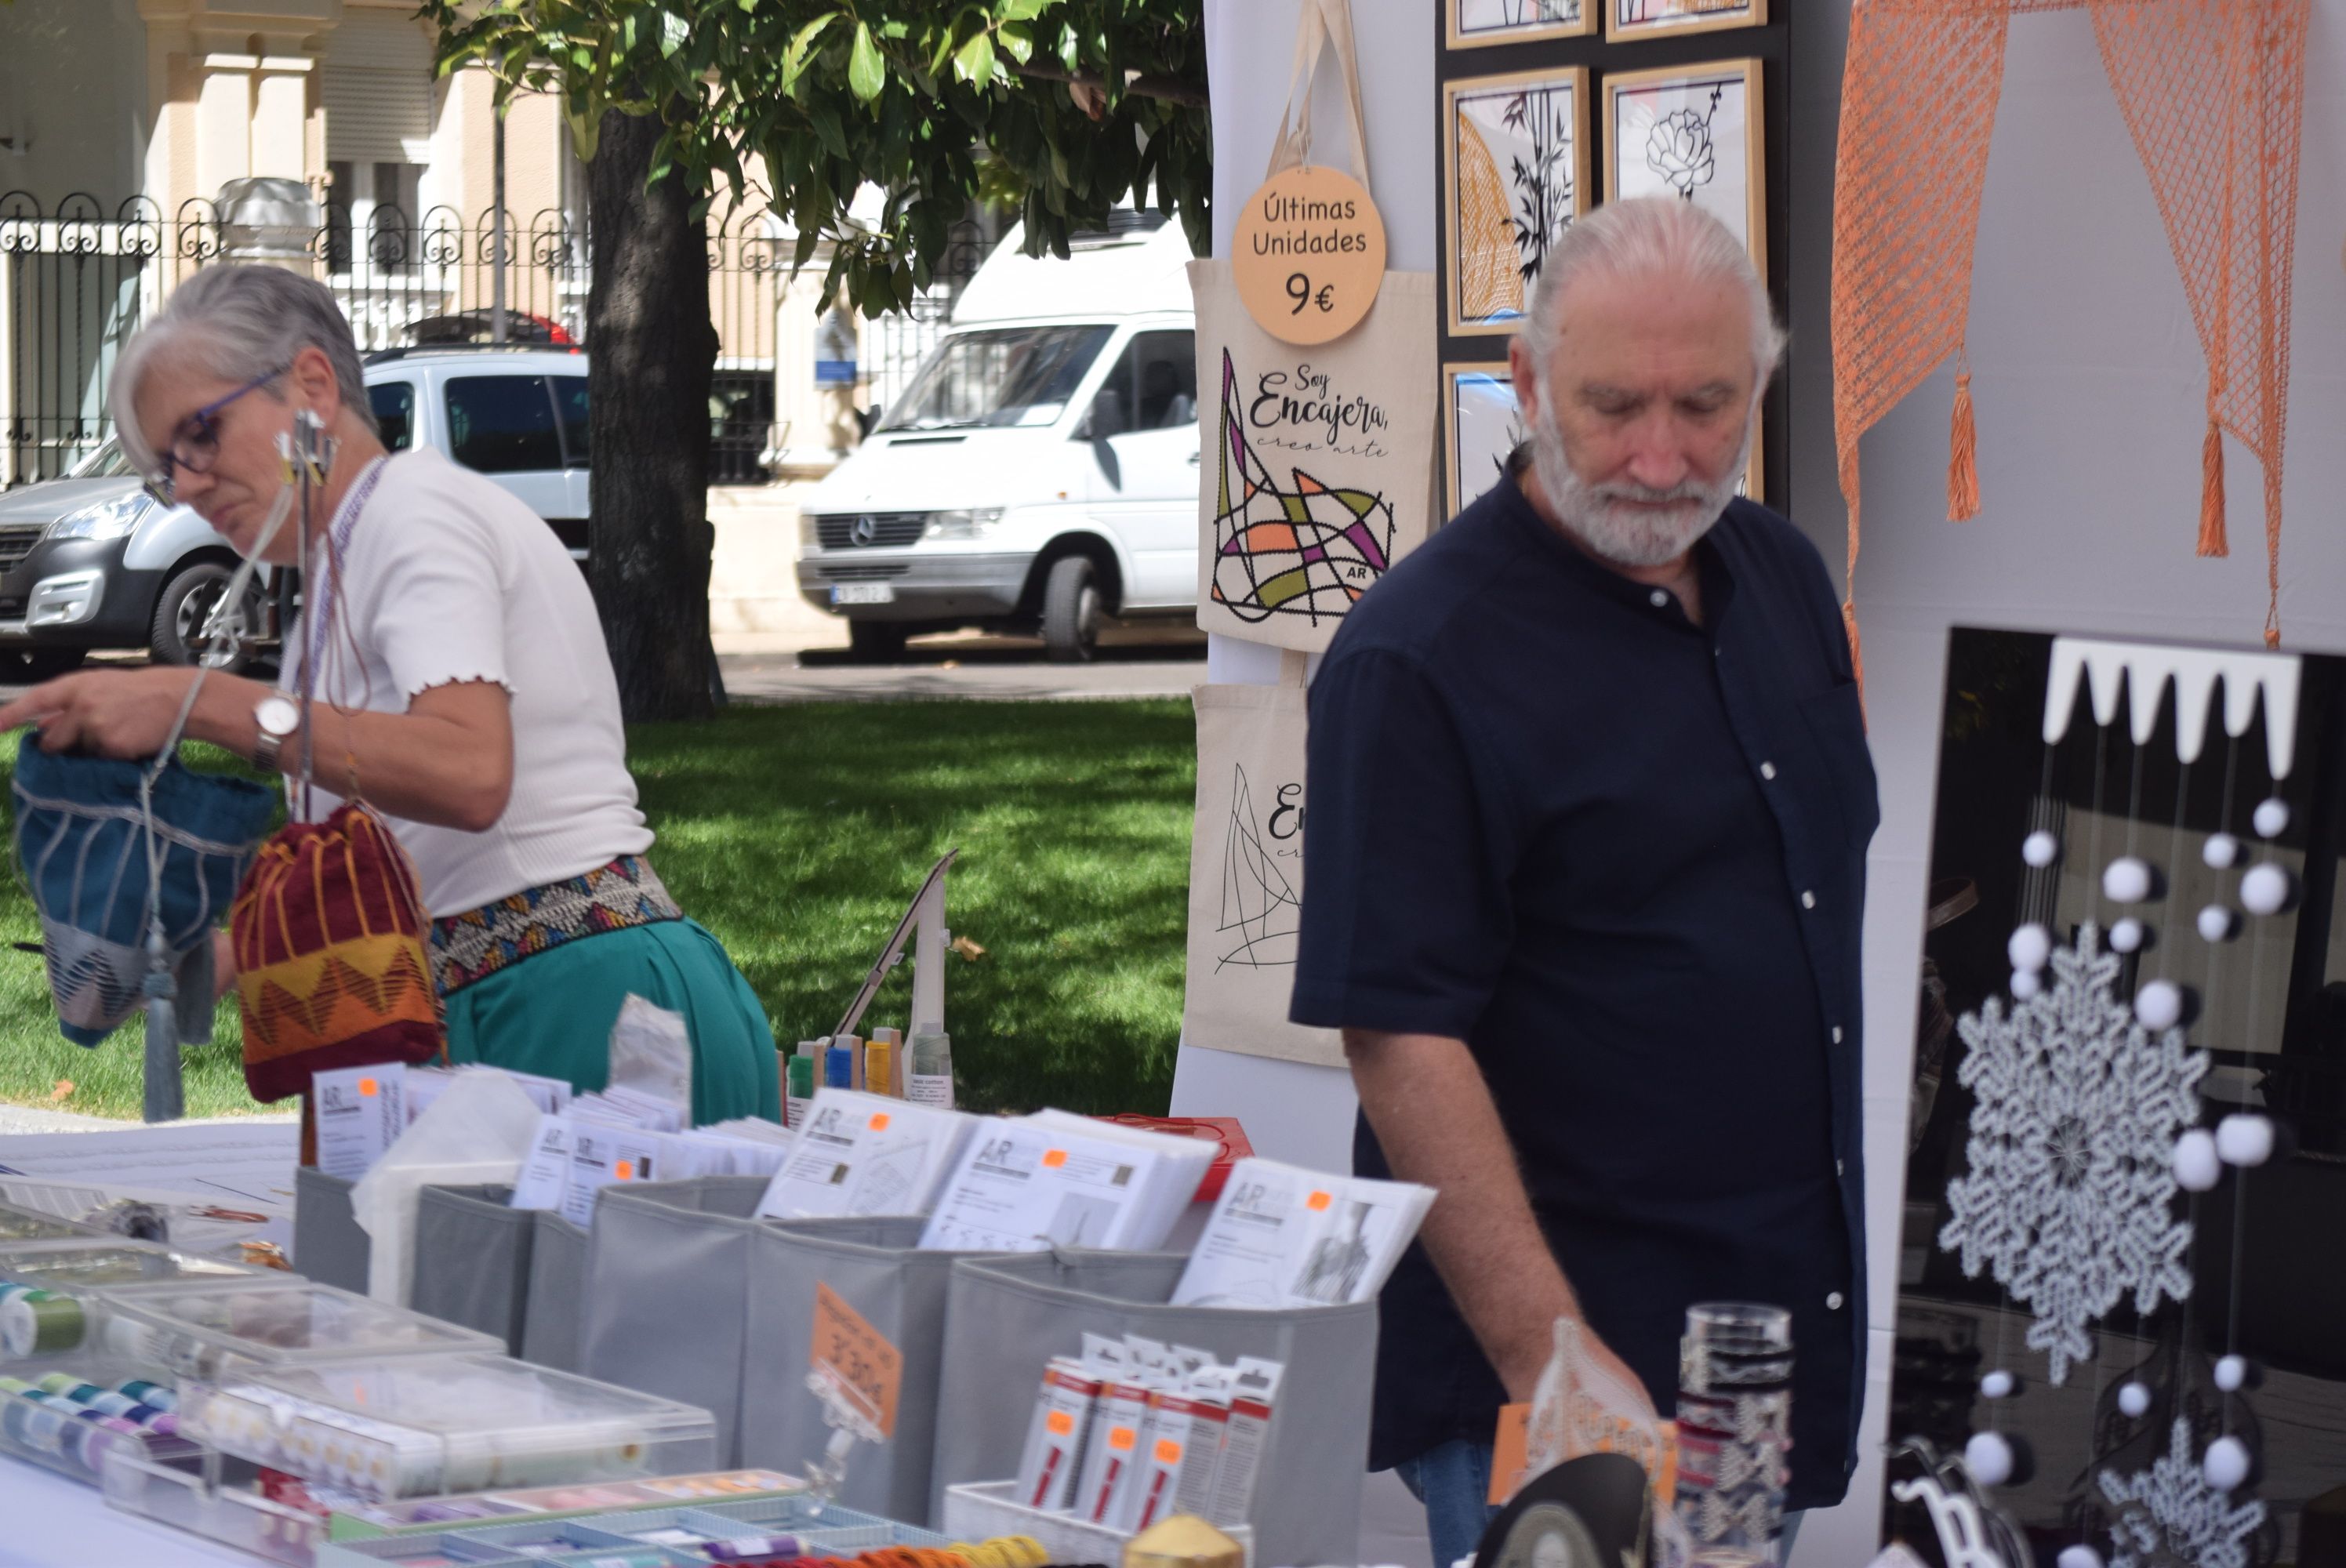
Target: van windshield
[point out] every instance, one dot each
(1001, 376)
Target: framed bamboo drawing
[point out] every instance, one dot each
(1692, 132)
(1481, 425)
(1514, 176)
(1473, 23)
(1675, 18)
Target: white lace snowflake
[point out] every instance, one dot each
(2068, 1197)
(2169, 1515)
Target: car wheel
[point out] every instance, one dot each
(1071, 611)
(875, 642)
(26, 665)
(185, 605)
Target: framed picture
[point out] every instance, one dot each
(1514, 176)
(1480, 425)
(1692, 132)
(1475, 23)
(1660, 18)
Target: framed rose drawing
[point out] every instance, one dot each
(1475, 23)
(1657, 18)
(1691, 132)
(1480, 425)
(1514, 176)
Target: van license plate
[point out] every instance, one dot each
(863, 593)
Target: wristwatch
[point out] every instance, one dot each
(278, 719)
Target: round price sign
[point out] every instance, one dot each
(1309, 254)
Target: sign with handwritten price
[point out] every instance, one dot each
(1308, 254)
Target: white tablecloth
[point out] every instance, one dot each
(48, 1522)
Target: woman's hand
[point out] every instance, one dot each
(124, 713)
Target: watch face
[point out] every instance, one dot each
(277, 716)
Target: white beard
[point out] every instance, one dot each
(1624, 523)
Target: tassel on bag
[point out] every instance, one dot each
(1963, 455)
(2212, 541)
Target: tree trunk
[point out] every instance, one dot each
(650, 350)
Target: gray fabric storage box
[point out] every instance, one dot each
(1007, 1317)
(328, 1245)
(557, 1283)
(874, 1266)
(471, 1259)
(666, 1294)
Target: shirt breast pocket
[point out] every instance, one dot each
(1836, 724)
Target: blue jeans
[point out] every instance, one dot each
(1454, 1481)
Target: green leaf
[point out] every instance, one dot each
(974, 61)
(794, 58)
(1017, 41)
(1020, 10)
(865, 73)
(673, 32)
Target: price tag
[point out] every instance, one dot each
(1309, 254)
(856, 1359)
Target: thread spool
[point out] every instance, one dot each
(40, 1323)
(148, 1393)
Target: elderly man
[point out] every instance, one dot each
(1590, 800)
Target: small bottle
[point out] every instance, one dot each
(879, 1063)
(802, 1091)
(841, 1063)
(928, 1067)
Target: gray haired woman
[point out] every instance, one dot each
(461, 683)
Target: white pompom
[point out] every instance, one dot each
(2221, 850)
(2232, 1373)
(2040, 848)
(2227, 1464)
(2030, 947)
(2244, 1138)
(2079, 1556)
(2134, 1398)
(2216, 923)
(2196, 1165)
(2160, 1005)
(2127, 880)
(1997, 1385)
(2264, 889)
(2271, 818)
(2026, 984)
(1989, 1459)
(2126, 935)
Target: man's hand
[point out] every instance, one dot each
(1432, 1113)
(124, 713)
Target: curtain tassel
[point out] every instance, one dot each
(1963, 457)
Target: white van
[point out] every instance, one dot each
(1040, 470)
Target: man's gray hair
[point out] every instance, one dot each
(1649, 235)
(237, 323)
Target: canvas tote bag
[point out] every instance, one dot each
(1316, 470)
(1246, 873)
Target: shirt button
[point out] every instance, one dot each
(1836, 1034)
(1832, 1300)
(1840, 1169)
(1657, 598)
(1808, 900)
(1767, 770)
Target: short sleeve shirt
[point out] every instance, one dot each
(1622, 856)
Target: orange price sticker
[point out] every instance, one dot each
(1053, 1159)
(1167, 1452)
(879, 1121)
(1060, 1422)
(626, 1170)
(366, 1088)
(858, 1357)
(1121, 1439)
(1319, 1201)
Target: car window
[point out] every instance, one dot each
(1001, 376)
(1153, 386)
(394, 412)
(570, 405)
(502, 424)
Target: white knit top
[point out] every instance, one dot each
(448, 577)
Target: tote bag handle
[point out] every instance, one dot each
(1322, 22)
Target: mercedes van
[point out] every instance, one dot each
(1040, 470)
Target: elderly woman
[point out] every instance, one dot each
(462, 681)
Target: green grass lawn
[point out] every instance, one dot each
(797, 834)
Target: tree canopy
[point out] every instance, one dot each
(1056, 107)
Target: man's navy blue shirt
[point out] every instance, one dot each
(1623, 857)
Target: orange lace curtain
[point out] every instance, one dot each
(2213, 92)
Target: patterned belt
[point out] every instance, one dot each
(475, 944)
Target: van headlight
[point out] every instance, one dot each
(966, 523)
(101, 520)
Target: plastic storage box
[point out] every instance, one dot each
(21, 1225)
(201, 1333)
(205, 1494)
(73, 1419)
(414, 1425)
(68, 1281)
(823, 1530)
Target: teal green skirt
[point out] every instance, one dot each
(552, 1014)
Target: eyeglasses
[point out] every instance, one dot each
(195, 444)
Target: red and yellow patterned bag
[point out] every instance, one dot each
(327, 932)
